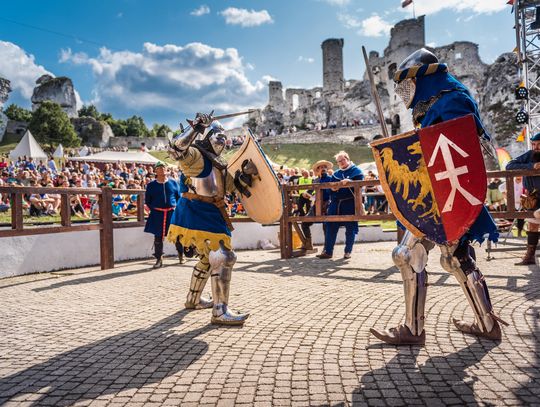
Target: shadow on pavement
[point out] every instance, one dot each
(442, 380)
(125, 361)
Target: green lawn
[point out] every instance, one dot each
(9, 142)
(300, 155)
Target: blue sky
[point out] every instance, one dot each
(167, 59)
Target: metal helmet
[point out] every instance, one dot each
(216, 137)
(418, 58)
(408, 69)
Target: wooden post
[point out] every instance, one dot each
(106, 235)
(16, 211)
(140, 207)
(318, 202)
(285, 235)
(358, 208)
(65, 210)
(510, 198)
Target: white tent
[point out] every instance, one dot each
(83, 152)
(28, 146)
(118, 156)
(59, 152)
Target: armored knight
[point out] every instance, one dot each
(435, 96)
(200, 220)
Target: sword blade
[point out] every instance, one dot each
(375, 94)
(229, 115)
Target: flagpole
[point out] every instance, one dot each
(413, 12)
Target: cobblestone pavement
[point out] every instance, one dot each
(121, 337)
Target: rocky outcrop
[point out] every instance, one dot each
(498, 104)
(5, 88)
(59, 90)
(92, 132)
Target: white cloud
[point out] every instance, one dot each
(475, 6)
(173, 78)
(246, 18)
(20, 68)
(306, 59)
(349, 21)
(375, 26)
(201, 11)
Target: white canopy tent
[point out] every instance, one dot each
(59, 152)
(28, 146)
(83, 152)
(118, 156)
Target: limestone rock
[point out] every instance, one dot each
(5, 88)
(59, 90)
(92, 132)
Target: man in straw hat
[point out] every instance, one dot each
(161, 197)
(320, 170)
(342, 203)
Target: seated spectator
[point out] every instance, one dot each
(495, 199)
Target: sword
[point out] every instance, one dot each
(374, 94)
(229, 115)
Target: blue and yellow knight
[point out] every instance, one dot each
(200, 220)
(435, 96)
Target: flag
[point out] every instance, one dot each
(521, 136)
(405, 3)
(510, 2)
(521, 84)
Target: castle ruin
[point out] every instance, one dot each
(342, 100)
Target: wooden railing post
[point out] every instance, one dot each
(285, 235)
(16, 211)
(140, 207)
(65, 210)
(106, 234)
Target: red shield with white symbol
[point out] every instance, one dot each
(457, 172)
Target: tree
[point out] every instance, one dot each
(51, 125)
(160, 130)
(17, 113)
(118, 127)
(136, 127)
(89, 111)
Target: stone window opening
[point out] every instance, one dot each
(458, 55)
(295, 102)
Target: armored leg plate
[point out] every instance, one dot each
(199, 277)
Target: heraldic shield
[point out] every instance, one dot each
(434, 179)
(265, 201)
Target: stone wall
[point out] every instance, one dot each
(346, 135)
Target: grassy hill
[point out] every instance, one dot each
(302, 155)
(9, 142)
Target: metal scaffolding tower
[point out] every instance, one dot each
(527, 26)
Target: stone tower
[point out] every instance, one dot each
(275, 93)
(333, 65)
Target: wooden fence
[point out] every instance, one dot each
(289, 222)
(106, 224)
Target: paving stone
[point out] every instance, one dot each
(121, 337)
